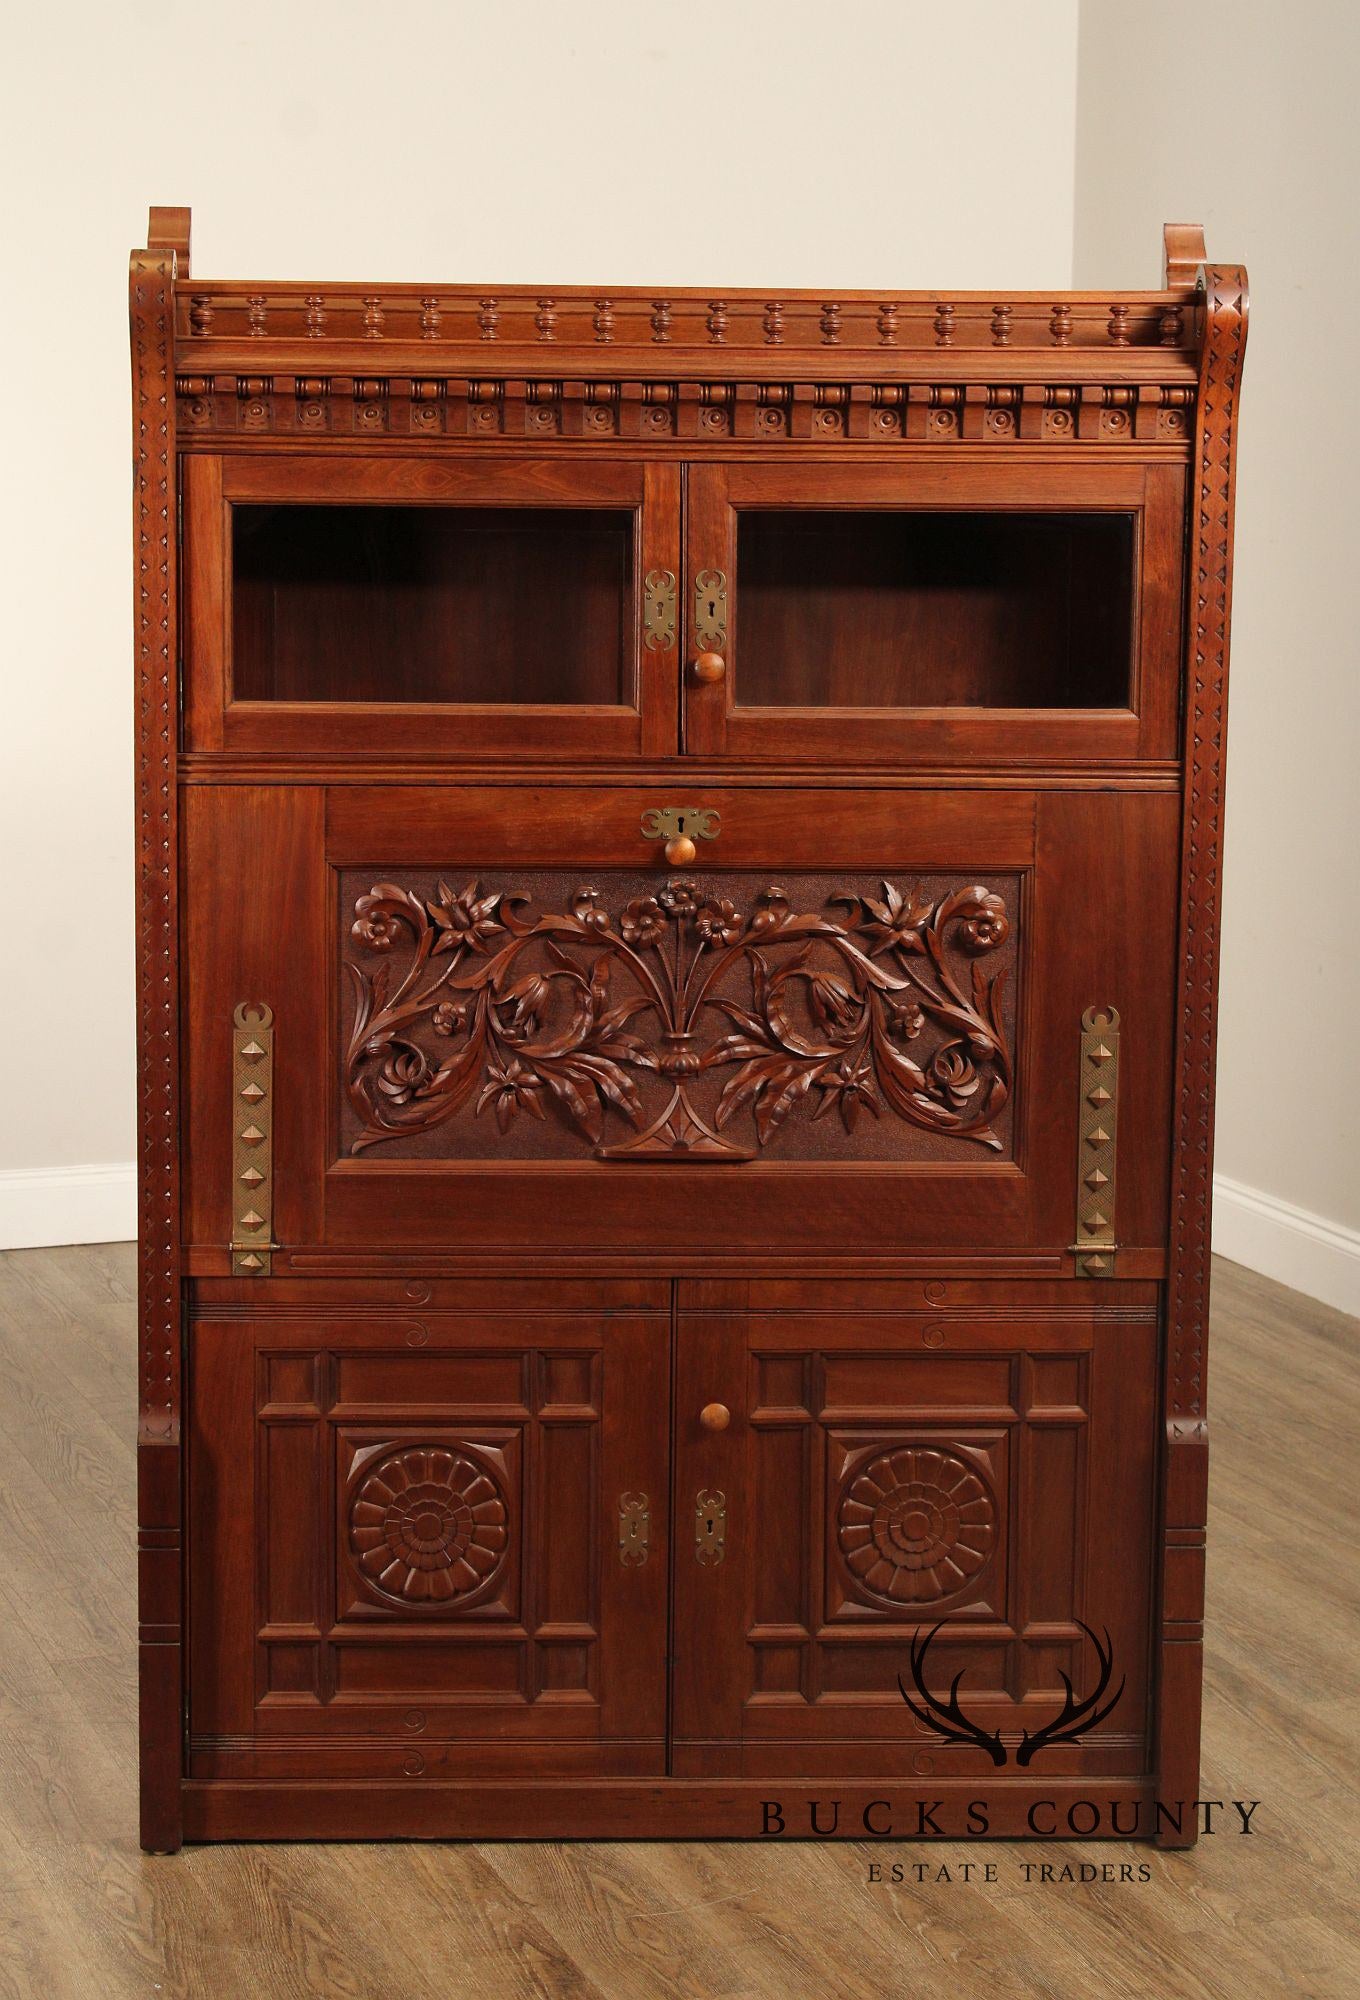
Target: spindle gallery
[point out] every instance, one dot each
(678, 946)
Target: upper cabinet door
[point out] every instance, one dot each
(473, 609)
(878, 615)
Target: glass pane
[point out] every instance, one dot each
(432, 604)
(921, 610)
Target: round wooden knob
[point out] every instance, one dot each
(715, 1416)
(681, 851)
(709, 667)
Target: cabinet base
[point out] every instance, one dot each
(961, 1809)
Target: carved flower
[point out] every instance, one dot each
(719, 921)
(373, 925)
(772, 910)
(527, 999)
(510, 1089)
(403, 1073)
(954, 1075)
(898, 920)
(643, 921)
(905, 1020)
(835, 1006)
(916, 1525)
(587, 906)
(467, 920)
(428, 1525)
(850, 1084)
(680, 898)
(989, 926)
(448, 1017)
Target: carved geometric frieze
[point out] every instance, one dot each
(645, 1018)
(691, 413)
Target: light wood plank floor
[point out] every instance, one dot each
(82, 1912)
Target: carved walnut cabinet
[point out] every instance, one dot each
(678, 925)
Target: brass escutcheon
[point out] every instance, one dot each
(635, 1529)
(710, 1527)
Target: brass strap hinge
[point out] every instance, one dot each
(252, 1144)
(1097, 1131)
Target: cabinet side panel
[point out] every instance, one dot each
(151, 307)
(1185, 1484)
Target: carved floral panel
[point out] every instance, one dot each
(650, 1017)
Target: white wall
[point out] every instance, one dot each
(608, 140)
(892, 142)
(1241, 114)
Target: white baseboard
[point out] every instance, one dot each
(42, 1206)
(1289, 1244)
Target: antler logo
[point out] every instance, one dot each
(948, 1720)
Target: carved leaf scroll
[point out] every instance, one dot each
(704, 1022)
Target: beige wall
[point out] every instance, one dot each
(610, 140)
(1242, 116)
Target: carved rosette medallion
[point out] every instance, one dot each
(915, 1525)
(660, 1019)
(428, 1525)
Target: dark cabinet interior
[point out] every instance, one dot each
(487, 605)
(857, 609)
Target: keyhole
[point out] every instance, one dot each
(712, 610)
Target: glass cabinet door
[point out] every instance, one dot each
(472, 608)
(867, 615)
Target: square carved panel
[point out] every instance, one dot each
(430, 1523)
(916, 1525)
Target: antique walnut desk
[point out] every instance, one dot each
(678, 925)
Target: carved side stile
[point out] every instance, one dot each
(1185, 1485)
(151, 301)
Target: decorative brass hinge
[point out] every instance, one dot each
(252, 1147)
(635, 1529)
(710, 1527)
(1097, 1128)
(710, 611)
(658, 609)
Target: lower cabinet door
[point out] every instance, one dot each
(429, 1542)
(888, 1491)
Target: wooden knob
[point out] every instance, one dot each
(709, 667)
(715, 1416)
(681, 851)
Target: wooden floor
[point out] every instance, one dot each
(82, 1912)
